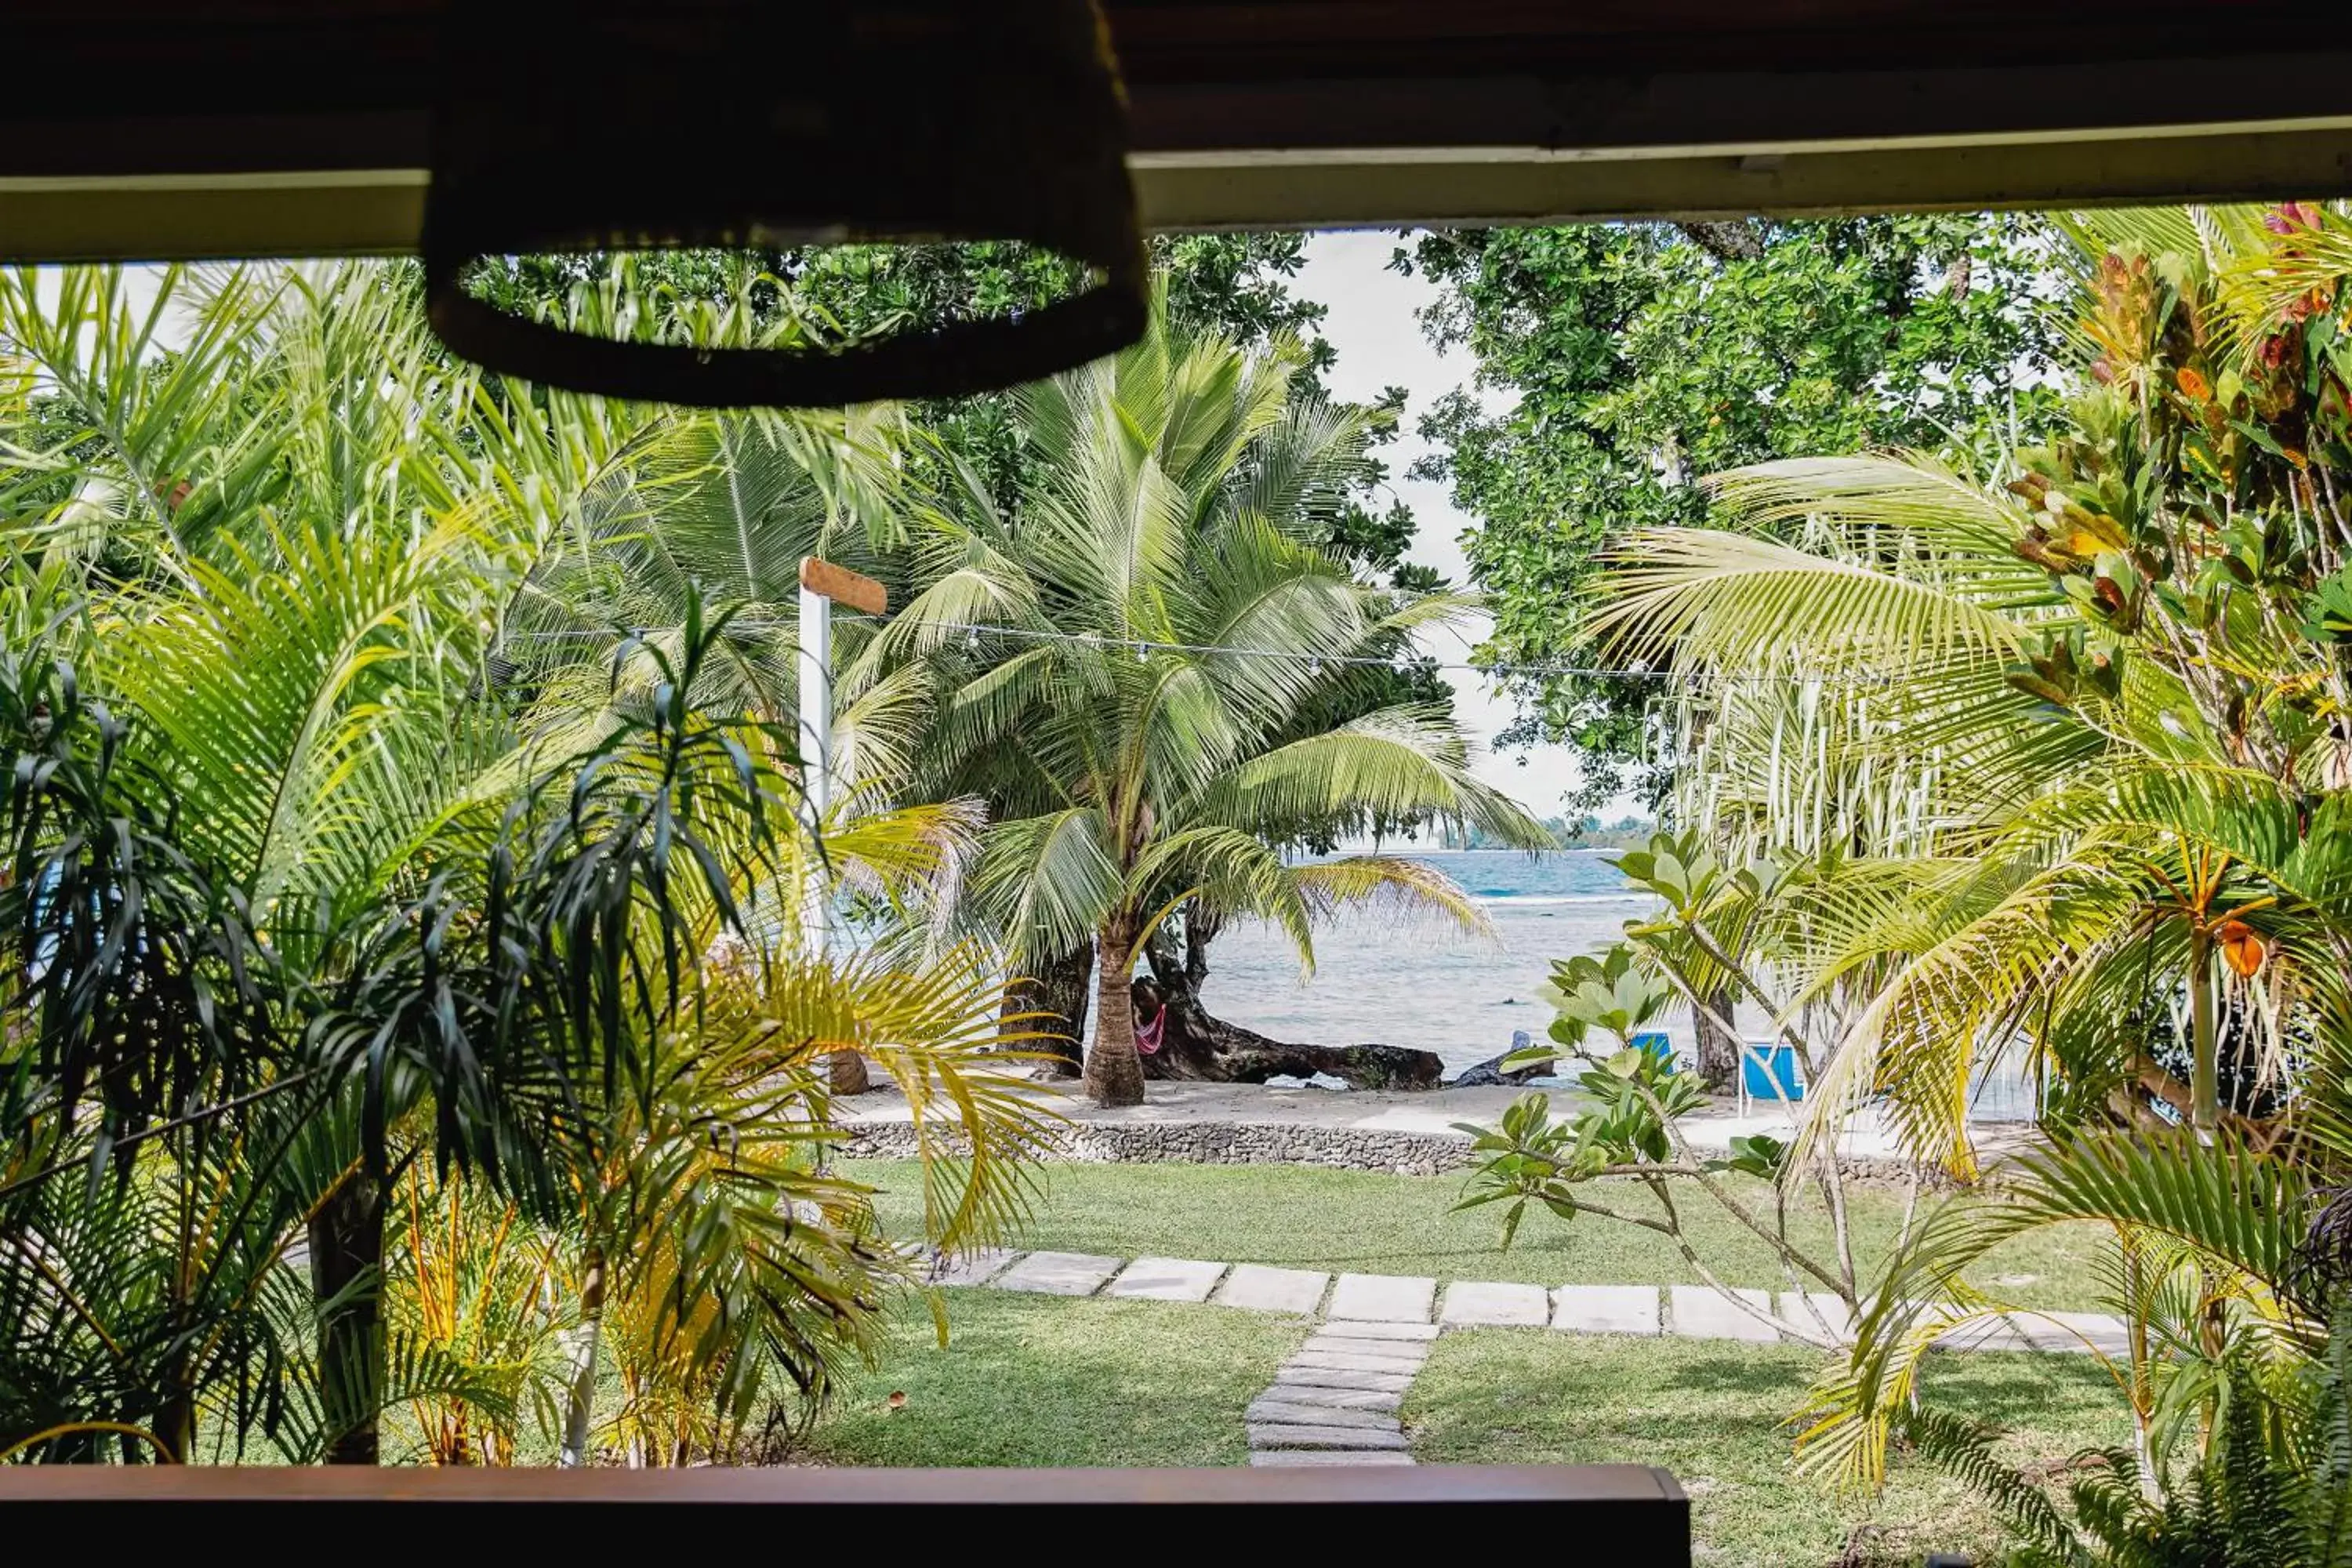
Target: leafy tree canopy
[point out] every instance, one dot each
(1638, 359)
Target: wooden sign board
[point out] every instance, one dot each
(844, 586)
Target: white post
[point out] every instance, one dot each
(816, 758)
(821, 584)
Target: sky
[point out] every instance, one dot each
(1374, 326)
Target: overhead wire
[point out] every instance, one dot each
(1143, 646)
(1153, 644)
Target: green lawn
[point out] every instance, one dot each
(1713, 1413)
(1041, 1380)
(1376, 1224)
(1049, 1381)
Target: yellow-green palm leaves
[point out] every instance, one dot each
(2063, 751)
(2087, 700)
(295, 551)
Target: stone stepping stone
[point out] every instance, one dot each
(1356, 1437)
(1340, 1362)
(1341, 1377)
(973, 1267)
(1413, 1351)
(1167, 1279)
(1260, 1288)
(1383, 1298)
(1698, 1313)
(1313, 1355)
(1476, 1303)
(1400, 1332)
(1059, 1274)
(1816, 1311)
(2061, 1333)
(1271, 1459)
(1605, 1308)
(2068, 1331)
(1271, 1412)
(1332, 1398)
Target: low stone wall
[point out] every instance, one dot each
(1292, 1143)
(1216, 1143)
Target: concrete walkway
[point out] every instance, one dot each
(1334, 1402)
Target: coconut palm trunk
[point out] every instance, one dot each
(1114, 1073)
(1719, 1050)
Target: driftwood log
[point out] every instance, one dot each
(1198, 1046)
(1202, 1048)
(1492, 1074)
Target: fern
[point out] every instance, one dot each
(1963, 1449)
(2274, 1489)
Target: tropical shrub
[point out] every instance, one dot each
(1635, 1095)
(2060, 753)
(2271, 1486)
(308, 909)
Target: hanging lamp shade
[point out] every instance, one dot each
(577, 126)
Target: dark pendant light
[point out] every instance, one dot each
(573, 126)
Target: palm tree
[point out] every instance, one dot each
(2207, 1269)
(657, 894)
(281, 555)
(282, 588)
(2074, 780)
(2116, 756)
(1123, 664)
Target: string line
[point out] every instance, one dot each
(1149, 645)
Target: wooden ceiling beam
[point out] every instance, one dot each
(1282, 113)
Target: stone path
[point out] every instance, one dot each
(1683, 1311)
(1335, 1401)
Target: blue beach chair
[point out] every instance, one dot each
(1659, 1045)
(1768, 1070)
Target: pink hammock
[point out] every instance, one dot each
(1148, 1035)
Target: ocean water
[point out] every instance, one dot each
(1418, 982)
(1422, 984)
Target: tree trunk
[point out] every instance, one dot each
(176, 1412)
(175, 1419)
(1206, 1050)
(1718, 1053)
(1057, 997)
(346, 1237)
(2204, 1037)
(580, 1400)
(1736, 240)
(1209, 1049)
(1114, 1073)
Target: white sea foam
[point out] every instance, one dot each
(1542, 900)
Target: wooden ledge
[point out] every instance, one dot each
(1628, 1516)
